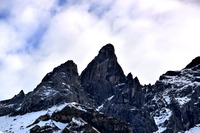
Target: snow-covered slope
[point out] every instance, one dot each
(20, 123)
(68, 117)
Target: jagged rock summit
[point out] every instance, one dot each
(101, 74)
(106, 52)
(103, 99)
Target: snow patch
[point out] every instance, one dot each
(76, 105)
(167, 99)
(96, 130)
(100, 107)
(121, 84)
(78, 121)
(164, 115)
(182, 100)
(195, 129)
(18, 124)
(64, 83)
(49, 92)
(110, 98)
(82, 109)
(9, 105)
(133, 109)
(61, 125)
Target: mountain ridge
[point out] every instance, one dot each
(102, 87)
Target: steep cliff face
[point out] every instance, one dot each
(102, 73)
(129, 104)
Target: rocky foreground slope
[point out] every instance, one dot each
(103, 99)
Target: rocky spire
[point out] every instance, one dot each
(104, 66)
(21, 95)
(107, 52)
(102, 73)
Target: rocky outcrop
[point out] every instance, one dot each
(79, 118)
(67, 72)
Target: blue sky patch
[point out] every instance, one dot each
(62, 2)
(4, 14)
(34, 41)
(99, 10)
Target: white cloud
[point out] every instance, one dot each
(150, 37)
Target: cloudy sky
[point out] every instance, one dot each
(150, 37)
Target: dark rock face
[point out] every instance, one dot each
(129, 104)
(104, 78)
(60, 85)
(102, 73)
(67, 72)
(80, 118)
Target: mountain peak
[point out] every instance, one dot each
(194, 62)
(106, 52)
(104, 66)
(104, 71)
(107, 49)
(21, 94)
(70, 62)
(70, 65)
